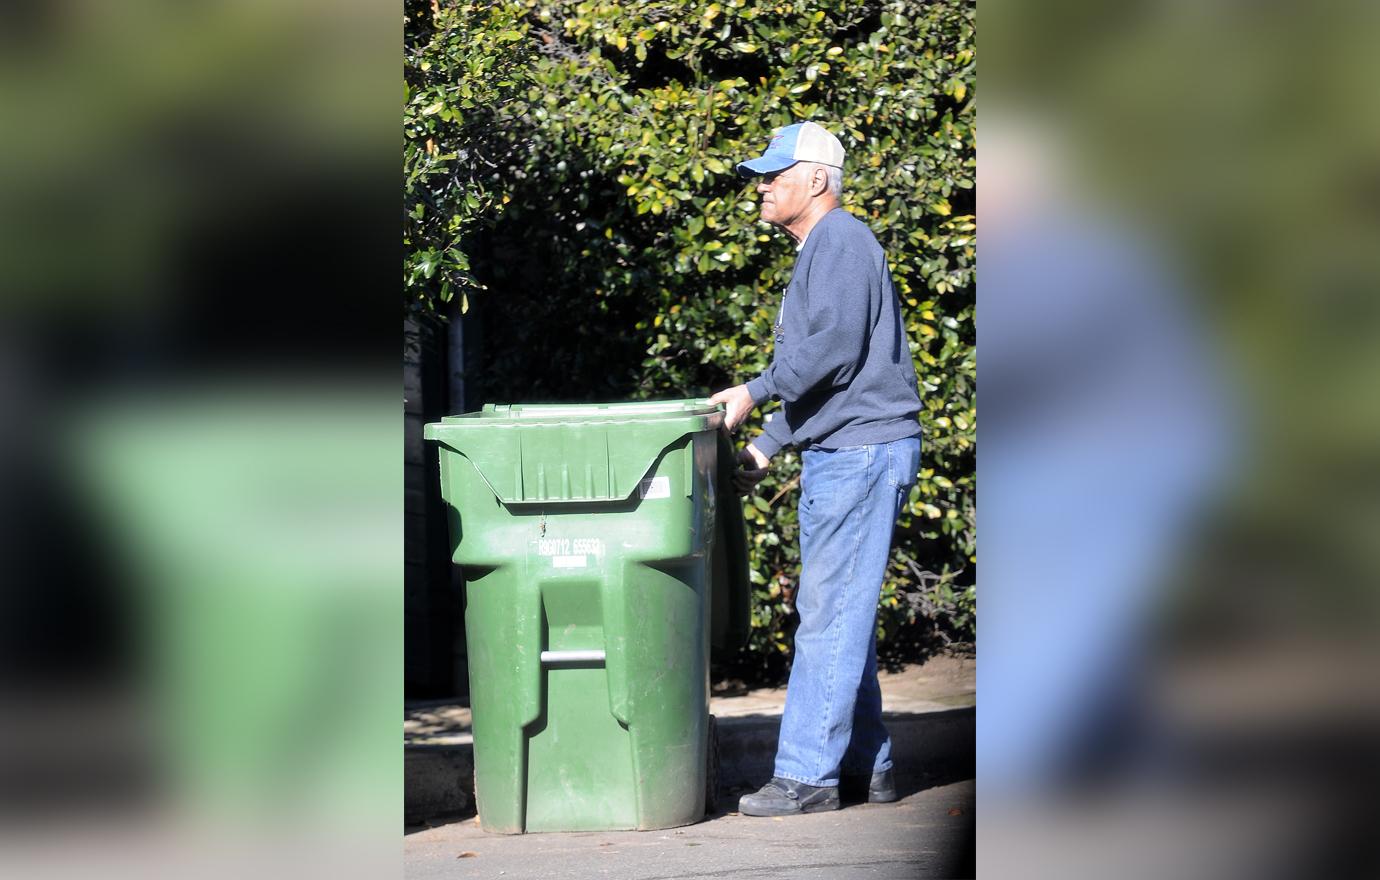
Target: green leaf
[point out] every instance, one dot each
(585, 271)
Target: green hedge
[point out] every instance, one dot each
(577, 158)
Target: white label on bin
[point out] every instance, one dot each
(570, 552)
(654, 487)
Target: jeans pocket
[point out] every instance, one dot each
(903, 462)
(836, 479)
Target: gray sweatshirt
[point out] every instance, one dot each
(841, 363)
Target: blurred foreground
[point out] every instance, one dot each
(1179, 500)
(200, 617)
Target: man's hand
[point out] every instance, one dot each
(752, 469)
(737, 404)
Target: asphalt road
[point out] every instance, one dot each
(928, 833)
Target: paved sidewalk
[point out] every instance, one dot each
(928, 833)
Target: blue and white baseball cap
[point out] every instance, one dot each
(801, 142)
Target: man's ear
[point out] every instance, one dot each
(819, 181)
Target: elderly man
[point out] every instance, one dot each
(843, 371)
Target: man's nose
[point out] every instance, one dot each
(762, 185)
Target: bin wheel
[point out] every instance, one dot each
(711, 770)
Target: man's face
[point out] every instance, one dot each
(785, 194)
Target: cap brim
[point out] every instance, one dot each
(764, 165)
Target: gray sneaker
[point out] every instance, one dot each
(786, 797)
(879, 788)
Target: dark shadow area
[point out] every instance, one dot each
(914, 643)
(438, 821)
(551, 328)
(936, 775)
(433, 614)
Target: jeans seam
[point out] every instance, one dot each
(836, 625)
(838, 611)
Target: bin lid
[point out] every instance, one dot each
(570, 453)
(567, 413)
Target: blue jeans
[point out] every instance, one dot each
(850, 498)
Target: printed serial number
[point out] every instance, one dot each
(570, 546)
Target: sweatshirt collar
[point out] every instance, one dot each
(799, 247)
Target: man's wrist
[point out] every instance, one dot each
(758, 389)
(762, 460)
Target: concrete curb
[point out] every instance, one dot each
(439, 780)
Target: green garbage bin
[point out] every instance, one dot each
(603, 552)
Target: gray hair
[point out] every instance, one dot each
(833, 174)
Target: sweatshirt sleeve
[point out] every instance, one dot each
(776, 435)
(838, 310)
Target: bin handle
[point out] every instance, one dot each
(554, 657)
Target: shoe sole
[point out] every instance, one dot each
(889, 798)
(869, 796)
(821, 807)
